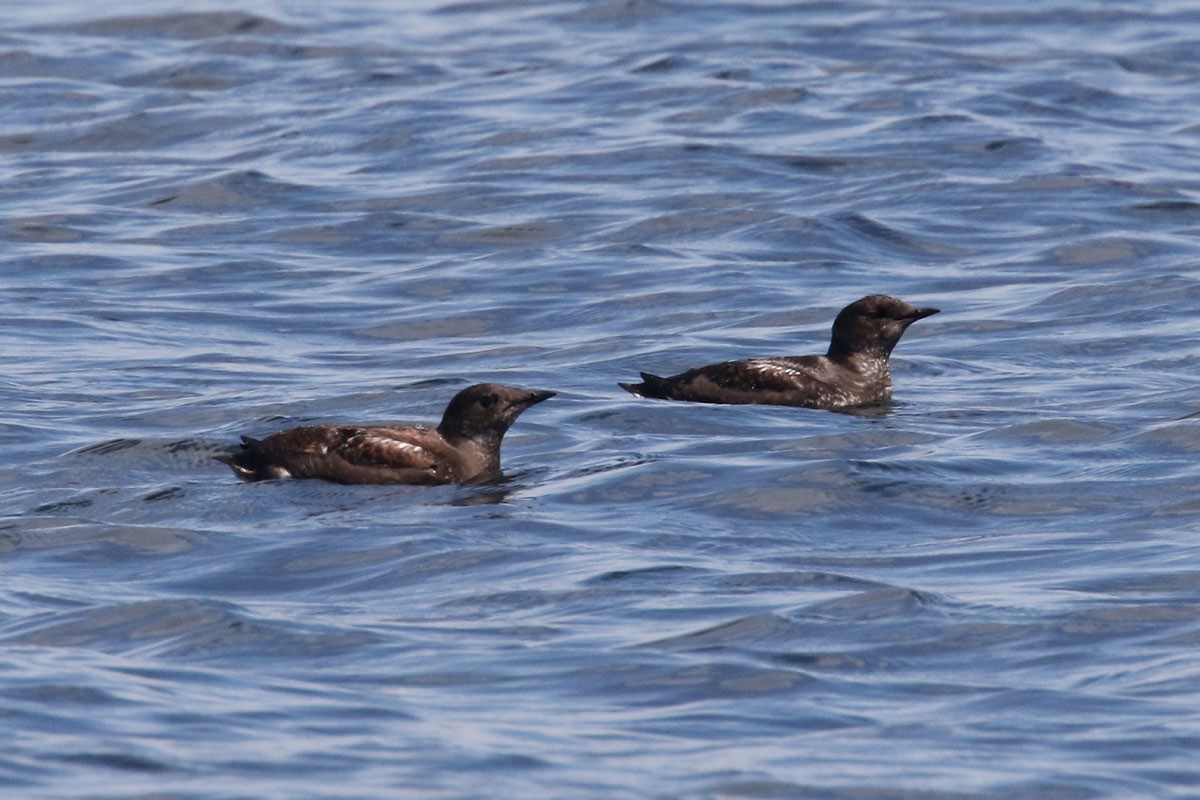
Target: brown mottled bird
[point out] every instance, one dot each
(853, 372)
(464, 447)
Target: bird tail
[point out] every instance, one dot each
(651, 386)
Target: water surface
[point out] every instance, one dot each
(233, 218)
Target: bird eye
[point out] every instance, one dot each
(488, 400)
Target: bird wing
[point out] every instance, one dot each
(765, 374)
(350, 454)
(807, 381)
(392, 448)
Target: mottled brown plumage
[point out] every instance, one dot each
(464, 447)
(853, 372)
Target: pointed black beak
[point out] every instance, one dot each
(922, 313)
(535, 396)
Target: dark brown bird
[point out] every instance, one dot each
(854, 371)
(464, 447)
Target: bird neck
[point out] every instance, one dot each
(481, 448)
(869, 362)
(872, 349)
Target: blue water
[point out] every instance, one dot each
(229, 218)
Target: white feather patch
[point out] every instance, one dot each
(776, 369)
(399, 447)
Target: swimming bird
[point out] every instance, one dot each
(465, 446)
(853, 372)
